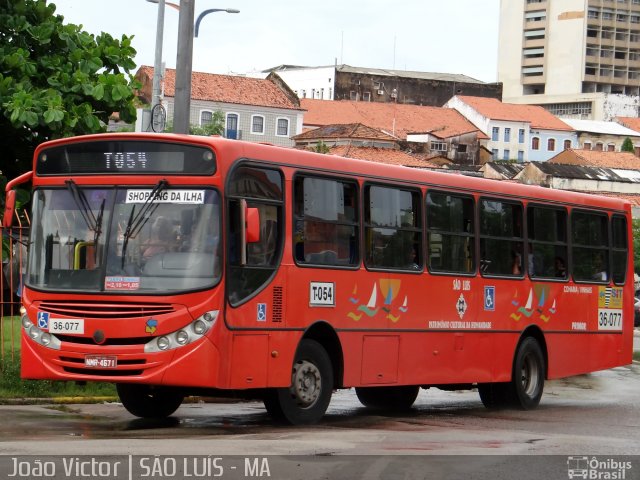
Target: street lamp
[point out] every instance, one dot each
(182, 99)
(211, 10)
(183, 63)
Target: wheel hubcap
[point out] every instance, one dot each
(306, 383)
(529, 376)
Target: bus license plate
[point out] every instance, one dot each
(100, 361)
(70, 326)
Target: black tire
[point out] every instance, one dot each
(307, 399)
(528, 374)
(388, 398)
(146, 401)
(496, 395)
(525, 389)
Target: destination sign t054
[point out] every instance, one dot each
(125, 156)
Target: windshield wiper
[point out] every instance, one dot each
(136, 222)
(93, 223)
(83, 205)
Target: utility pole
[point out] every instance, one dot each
(157, 66)
(182, 106)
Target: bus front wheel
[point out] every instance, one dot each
(146, 401)
(388, 398)
(308, 397)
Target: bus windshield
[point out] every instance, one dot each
(119, 240)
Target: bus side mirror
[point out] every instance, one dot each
(252, 225)
(9, 209)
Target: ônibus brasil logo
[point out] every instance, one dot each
(597, 469)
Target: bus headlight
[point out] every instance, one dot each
(163, 343)
(34, 332)
(26, 323)
(189, 334)
(182, 337)
(199, 327)
(39, 336)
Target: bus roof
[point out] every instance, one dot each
(230, 150)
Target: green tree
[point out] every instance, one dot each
(321, 147)
(56, 80)
(627, 145)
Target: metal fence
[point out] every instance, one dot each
(13, 261)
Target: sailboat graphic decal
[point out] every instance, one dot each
(370, 308)
(387, 290)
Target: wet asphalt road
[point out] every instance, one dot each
(591, 414)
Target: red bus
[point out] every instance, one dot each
(178, 265)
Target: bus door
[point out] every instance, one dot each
(254, 288)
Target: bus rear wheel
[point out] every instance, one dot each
(528, 374)
(525, 389)
(388, 398)
(307, 399)
(146, 401)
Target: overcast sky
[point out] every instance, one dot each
(445, 36)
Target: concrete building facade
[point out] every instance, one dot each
(577, 58)
(344, 82)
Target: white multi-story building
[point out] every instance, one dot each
(516, 132)
(577, 58)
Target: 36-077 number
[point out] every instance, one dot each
(66, 326)
(609, 319)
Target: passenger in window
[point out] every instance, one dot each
(534, 263)
(560, 268)
(516, 263)
(599, 268)
(414, 260)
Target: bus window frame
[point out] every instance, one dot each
(473, 235)
(358, 224)
(227, 200)
(612, 247)
(522, 203)
(367, 184)
(596, 212)
(567, 243)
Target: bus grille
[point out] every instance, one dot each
(89, 309)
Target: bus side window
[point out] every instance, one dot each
(501, 232)
(589, 246)
(547, 233)
(619, 249)
(325, 222)
(450, 233)
(393, 228)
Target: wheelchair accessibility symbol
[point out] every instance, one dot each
(43, 320)
(490, 298)
(262, 312)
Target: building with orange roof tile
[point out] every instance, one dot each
(599, 159)
(355, 134)
(256, 110)
(516, 132)
(381, 155)
(428, 129)
(630, 122)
